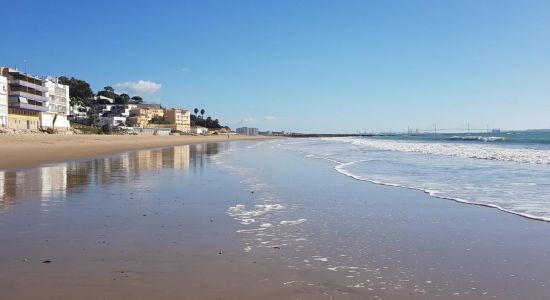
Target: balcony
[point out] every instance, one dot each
(19, 82)
(27, 106)
(29, 96)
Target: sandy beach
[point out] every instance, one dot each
(220, 221)
(23, 151)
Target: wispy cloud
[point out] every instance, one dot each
(185, 69)
(137, 87)
(270, 118)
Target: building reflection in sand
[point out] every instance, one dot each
(53, 183)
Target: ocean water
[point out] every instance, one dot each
(509, 171)
(343, 238)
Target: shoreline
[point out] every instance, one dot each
(173, 222)
(25, 151)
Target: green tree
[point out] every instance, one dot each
(93, 118)
(202, 116)
(80, 91)
(196, 111)
(108, 92)
(136, 100)
(122, 99)
(158, 120)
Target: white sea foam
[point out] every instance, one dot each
(477, 138)
(511, 177)
(321, 259)
(240, 210)
(296, 222)
(464, 150)
(536, 211)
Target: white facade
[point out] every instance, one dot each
(79, 113)
(54, 120)
(3, 101)
(58, 96)
(199, 130)
(58, 105)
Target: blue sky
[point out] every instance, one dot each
(309, 66)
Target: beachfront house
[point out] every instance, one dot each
(56, 117)
(26, 99)
(112, 118)
(199, 130)
(78, 114)
(33, 102)
(142, 115)
(3, 101)
(178, 119)
(154, 116)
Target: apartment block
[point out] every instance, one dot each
(179, 119)
(247, 131)
(26, 99)
(58, 105)
(142, 115)
(3, 101)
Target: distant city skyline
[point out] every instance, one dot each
(303, 66)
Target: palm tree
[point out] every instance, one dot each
(196, 111)
(202, 116)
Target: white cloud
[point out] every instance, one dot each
(139, 87)
(270, 118)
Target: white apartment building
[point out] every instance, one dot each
(3, 101)
(58, 105)
(26, 99)
(247, 131)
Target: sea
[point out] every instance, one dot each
(509, 171)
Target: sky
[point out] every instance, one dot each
(303, 66)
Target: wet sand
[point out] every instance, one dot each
(149, 224)
(159, 224)
(22, 151)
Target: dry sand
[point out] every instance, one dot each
(22, 151)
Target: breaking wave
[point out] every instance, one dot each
(464, 150)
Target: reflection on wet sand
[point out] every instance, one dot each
(53, 183)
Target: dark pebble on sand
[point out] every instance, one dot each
(47, 261)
